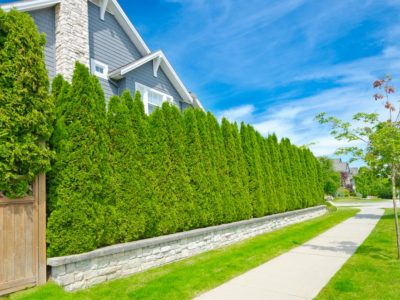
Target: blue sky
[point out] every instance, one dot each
(276, 64)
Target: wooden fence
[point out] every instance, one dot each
(23, 239)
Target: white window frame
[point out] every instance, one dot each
(94, 63)
(145, 96)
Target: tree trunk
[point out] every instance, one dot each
(396, 220)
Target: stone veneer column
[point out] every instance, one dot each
(72, 36)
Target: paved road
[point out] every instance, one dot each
(303, 271)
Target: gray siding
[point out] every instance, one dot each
(109, 88)
(45, 21)
(144, 75)
(108, 43)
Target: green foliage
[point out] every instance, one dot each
(82, 216)
(330, 178)
(122, 175)
(26, 109)
(369, 183)
(342, 192)
(129, 220)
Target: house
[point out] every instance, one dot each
(346, 173)
(98, 34)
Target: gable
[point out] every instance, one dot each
(115, 9)
(108, 42)
(144, 75)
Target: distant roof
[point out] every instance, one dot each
(340, 166)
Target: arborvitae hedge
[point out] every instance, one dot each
(121, 175)
(26, 109)
(82, 202)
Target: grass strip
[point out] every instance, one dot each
(373, 272)
(190, 277)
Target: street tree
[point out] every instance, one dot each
(380, 137)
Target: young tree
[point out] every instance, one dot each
(26, 109)
(381, 138)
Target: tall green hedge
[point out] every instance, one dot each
(120, 175)
(83, 209)
(26, 109)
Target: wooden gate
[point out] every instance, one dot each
(23, 239)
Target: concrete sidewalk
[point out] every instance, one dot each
(303, 271)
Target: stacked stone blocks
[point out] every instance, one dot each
(84, 270)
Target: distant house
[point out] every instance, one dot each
(346, 173)
(98, 34)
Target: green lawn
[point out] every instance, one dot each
(187, 278)
(373, 272)
(359, 200)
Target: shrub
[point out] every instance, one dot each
(342, 192)
(26, 109)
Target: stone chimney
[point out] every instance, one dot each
(72, 36)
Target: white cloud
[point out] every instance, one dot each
(238, 114)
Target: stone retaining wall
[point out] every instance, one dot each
(83, 270)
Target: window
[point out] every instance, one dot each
(152, 98)
(99, 69)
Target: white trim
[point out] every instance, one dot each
(94, 63)
(166, 67)
(103, 9)
(145, 96)
(29, 5)
(156, 65)
(128, 27)
(120, 72)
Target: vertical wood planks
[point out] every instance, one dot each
(23, 239)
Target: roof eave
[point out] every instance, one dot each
(29, 5)
(166, 67)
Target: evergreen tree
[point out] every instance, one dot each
(26, 110)
(130, 220)
(269, 179)
(223, 182)
(165, 202)
(196, 168)
(236, 171)
(212, 192)
(180, 185)
(290, 168)
(147, 176)
(251, 153)
(279, 171)
(60, 92)
(78, 223)
(244, 201)
(298, 175)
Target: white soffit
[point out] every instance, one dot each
(29, 5)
